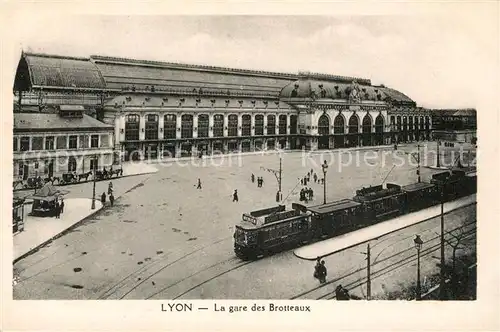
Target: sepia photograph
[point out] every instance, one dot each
(245, 157)
(148, 179)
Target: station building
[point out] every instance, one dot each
(162, 110)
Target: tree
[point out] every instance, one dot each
(457, 241)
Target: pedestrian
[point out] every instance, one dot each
(103, 198)
(322, 272)
(199, 184)
(302, 181)
(315, 178)
(261, 181)
(57, 210)
(111, 199)
(110, 188)
(235, 196)
(62, 205)
(311, 192)
(253, 178)
(301, 195)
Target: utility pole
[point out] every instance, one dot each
(277, 174)
(442, 277)
(368, 274)
(438, 163)
(418, 161)
(93, 189)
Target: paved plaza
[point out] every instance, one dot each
(164, 236)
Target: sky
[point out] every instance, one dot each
(438, 61)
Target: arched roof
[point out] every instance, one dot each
(49, 71)
(319, 86)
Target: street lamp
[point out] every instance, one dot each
(418, 245)
(93, 189)
(325, 168)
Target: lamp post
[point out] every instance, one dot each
(418, 245)
(93, 188)
(442, 278)
(325, 168)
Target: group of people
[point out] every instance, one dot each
(311, 175)
(320, 273)
(110, 194)
(260, 180)
(306, 194)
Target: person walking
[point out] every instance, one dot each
(110, 188)
(253, 178)
(57, 210)
(199, 184)
(61, 206)
(111, 199)
(103, 198)
(322, 272)
(315, 178)
(235, 196)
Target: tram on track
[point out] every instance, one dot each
(275, 229)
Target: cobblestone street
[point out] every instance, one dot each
(164, 230)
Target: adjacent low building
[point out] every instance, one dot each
(455, 125)
(50, 144)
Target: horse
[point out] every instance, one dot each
(84, 176)
(118, 172)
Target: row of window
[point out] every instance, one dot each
(36, 143)
(48, 167)
(170, 126)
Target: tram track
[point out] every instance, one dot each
(362, 281)
(115, 288)
(351, 273)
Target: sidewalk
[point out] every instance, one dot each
(39, 230)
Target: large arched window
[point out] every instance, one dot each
(410, 123)
(203, 125)
(259, 124)
(323, 125)
(271, 124)
(151, 126)
(246, 125)
(187, 126)
(293, 124)
(367, 129)
(338, 125)
(422, 122)
(132, 127)
(398, 121)
(170, 123)
(282, 124)
(405, 123)
(379, 124)
(367, 124)
(353, 124)
(218, 125)
(416, 123)
(232, 125)
(427, 123)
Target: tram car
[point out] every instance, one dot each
(272, 230)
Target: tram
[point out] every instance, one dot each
(262, 232)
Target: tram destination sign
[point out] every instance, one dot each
(249, 218)
(281, 216)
